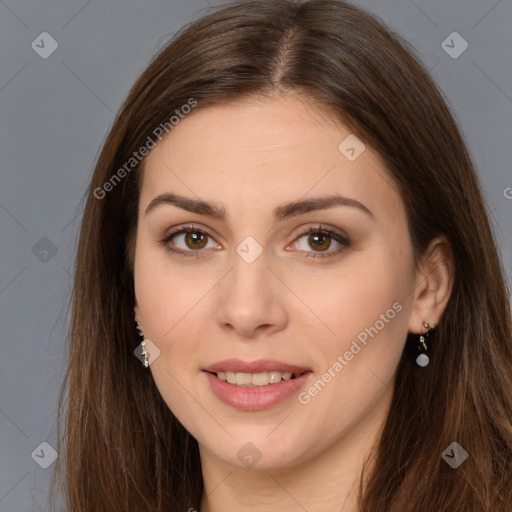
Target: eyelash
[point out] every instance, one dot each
(191, 228)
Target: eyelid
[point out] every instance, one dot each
(339, 236)
(180, 230)
(321, 228)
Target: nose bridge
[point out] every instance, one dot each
(250, 260)
(249, 281)
(249, 296)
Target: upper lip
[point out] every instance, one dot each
(259, 366)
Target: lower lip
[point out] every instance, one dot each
(258, 398)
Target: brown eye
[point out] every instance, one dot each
(189, 240)
(319, 241)
(196, 240)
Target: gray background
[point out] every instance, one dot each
(55, 113)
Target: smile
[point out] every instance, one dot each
(255, 397)
(255, 379)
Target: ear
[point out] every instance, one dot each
(434, 283)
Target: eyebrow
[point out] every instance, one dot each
(280, 212)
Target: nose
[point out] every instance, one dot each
(251, 300)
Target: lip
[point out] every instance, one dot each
(257, 398)
(261, 365)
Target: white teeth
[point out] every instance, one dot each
(251, 380)
(243, 379)
(260, 379)
(274, 377)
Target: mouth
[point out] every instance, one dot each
(255, 374)
(256, 380)
(256, 390)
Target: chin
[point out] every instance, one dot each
(259, 451)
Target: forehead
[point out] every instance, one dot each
(264, 152)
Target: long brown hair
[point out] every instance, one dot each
(121, 447)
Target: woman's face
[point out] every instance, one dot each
(332, 305)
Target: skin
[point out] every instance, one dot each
(250, 157)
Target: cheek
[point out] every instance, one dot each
(357, 296)
(166, 296)
(368, 317)
(169, 305)
(366, 309)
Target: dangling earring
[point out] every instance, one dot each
(423, 344)
(143, 345)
